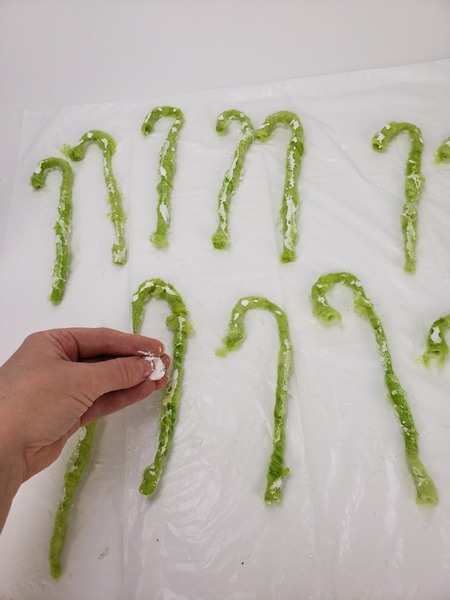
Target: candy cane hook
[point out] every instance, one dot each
(166, 161)
(413, 184)
(62, 225)
(178, 322)
(437, 347)
(221, 238)
(443, 152)
(74, 471)
(290, 202)
(426, 491)
(235, 335)
(108, 146)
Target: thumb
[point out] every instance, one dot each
(117, 374)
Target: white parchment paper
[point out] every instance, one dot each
(348, 527)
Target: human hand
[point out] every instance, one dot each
(60, 380)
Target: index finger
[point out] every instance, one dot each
(84, 342)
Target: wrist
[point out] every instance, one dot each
(11, 469)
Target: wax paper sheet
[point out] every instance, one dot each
(348, 526)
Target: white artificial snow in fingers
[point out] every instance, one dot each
(159, 370)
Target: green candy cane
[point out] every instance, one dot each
(166, 161)
(413, 184)
(74, 472)
(220, 238)
(426, 491)
(437, 347)
(62, 225)
(108, 146)
(178, 322)
(233, 340)
(290, 202)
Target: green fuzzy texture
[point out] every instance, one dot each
(413, 184)
(108, 146)
(443, 152)
(74, 472)
(291, 199)
(426, 491)
(178, 322)
(220, 238)
(166, 162)
(233, 340)
(437, 347)
(62, 225)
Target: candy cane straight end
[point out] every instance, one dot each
(274, 487)
(223, 351)
(56, 572)
(427, 495)
(410, 265)
(56, 296)
(119, 254)
(288, 256)
(426, 490)
(220, 240)
(159, 240)
(149, 482)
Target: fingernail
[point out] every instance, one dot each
(145, 367)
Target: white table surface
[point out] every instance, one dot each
(55, 53)
(60, 53)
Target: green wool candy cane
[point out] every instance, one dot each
(166, 161)
(74, 472)
(233, 340)
(108, 147)
(437, 347)
(290, 202)
(179, 324)
(426, 491)
(413, 184)
(220, 238)
(62, 225)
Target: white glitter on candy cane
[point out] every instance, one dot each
(290, 216)
(435, 335)
(164, 211)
